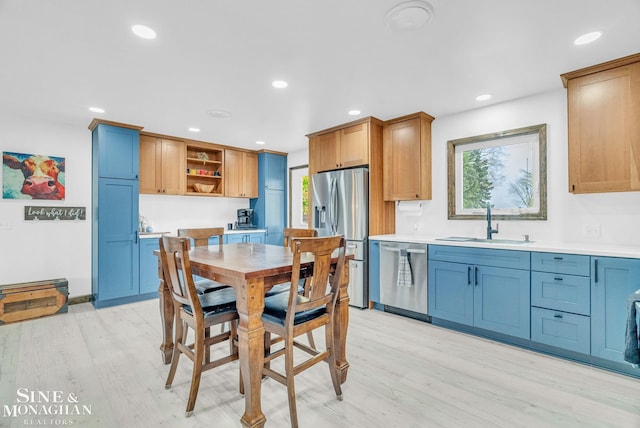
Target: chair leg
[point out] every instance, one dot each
(291, 390)
(197, 370)
(179, 338)
(312, 343)
(333, 365)
(207, 349)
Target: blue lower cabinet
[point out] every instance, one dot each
(561, 329)
(236, 238)
(612, 281)
(149, 280)
(374, 271)
(482, 288)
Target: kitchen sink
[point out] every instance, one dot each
(484, 240)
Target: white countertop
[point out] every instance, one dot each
(147, 235)
(592, 249)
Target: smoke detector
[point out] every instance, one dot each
(408, 16)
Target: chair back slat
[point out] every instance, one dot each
(324, 288)
(174, 253)
(292, 232)
(201, 235)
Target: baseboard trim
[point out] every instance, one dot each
(79, 299)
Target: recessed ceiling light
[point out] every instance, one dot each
(143, 32)
(587, 38)
(280, 84)
(483, 97)
(354, 112)
(96, 109)
(194, 129)
(260, 143)
(408, 16)
(219, 114)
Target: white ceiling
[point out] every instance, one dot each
(60, 57)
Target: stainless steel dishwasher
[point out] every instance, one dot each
(403, 276)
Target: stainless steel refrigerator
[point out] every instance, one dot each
(341, 207)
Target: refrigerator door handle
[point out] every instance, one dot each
(333, 208)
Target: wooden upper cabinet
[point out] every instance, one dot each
(406, 145)
(345, 147)
(241, 174)
(354, 145)
(161, 164)
(604, 126)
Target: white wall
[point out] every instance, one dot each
(33, 251)
(617, 214)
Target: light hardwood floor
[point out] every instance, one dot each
(404, 373)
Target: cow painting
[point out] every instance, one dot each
(26, 176)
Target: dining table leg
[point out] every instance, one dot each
(250, 304)
(341, 321)
(166, 316)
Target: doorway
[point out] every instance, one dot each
(299, 196)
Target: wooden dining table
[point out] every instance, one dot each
(251, 269)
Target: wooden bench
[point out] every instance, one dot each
(28, 300)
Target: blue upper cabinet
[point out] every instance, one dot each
(270, 207)
(275, 171)
(612, 281)
(116, 152)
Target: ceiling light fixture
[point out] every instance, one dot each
(143, 32)
(260, 143)
(194, 129)
(280, 84)
(96, 109)
(354, 112)
(219, 114)
(408, 16)
(587, 38)
(483, 97)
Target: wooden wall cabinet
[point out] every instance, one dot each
(406, 145)
(241, 174)
(344, 147)
(604, 126)
(203, 166)
(161, 165)
(357, 143)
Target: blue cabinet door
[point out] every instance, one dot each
(451, 291)
(270, 206)
(116, 152)
(502, 300)
(274, 217)
(235, 238)
(612, 281)
(275, 171)
(149, 281)
(374, 271)
(256, 238)
(117, 233)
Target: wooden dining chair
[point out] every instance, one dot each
(303, 288)
(290, 315)
(200, 238)
(198, 312)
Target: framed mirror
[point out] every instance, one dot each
(506, 169)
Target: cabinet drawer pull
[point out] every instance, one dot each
(558, 258)
(557, 316)
(557, 279)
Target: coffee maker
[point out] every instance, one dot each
(245, 219)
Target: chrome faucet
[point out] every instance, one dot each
(490, 229)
